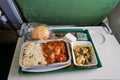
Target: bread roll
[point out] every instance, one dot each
(40, 33)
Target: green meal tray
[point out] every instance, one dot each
(72, 67)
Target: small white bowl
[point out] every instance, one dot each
(88, 44)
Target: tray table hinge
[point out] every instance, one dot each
(106, 27)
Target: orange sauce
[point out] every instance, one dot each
(55, 51)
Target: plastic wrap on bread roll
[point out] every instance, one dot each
(40, 32)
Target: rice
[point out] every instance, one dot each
(33, 55)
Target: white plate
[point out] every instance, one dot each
(50, 65)
(46, 68)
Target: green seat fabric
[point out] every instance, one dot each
(61, 12)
